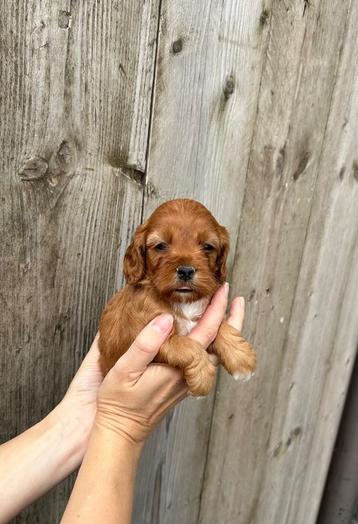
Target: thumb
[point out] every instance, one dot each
(146, 345)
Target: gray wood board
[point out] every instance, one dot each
(209, 64)
(254, 114)
(296, 260)
(339, 502)
(76, 82)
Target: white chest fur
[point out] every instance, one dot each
(189, 314)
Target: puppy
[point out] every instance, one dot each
(175, 263)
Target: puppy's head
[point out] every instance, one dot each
(181, 249)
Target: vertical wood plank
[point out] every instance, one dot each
(209, 65)
(75, 98)
(297, 264)
(339, 501)
(254, 114)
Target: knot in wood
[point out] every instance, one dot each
(229, 87)
(33, 168)
(264, 17)
(62, 160)
(303, 163)
(64, 19)
(177, 46)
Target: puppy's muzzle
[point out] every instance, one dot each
(185, 273)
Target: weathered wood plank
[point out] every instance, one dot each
(339, 502)
(208, 78)
(255, 114)
(75, 97)
(297, 263)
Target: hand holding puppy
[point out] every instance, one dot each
(174, 265)
(132, 399)
(136, 394)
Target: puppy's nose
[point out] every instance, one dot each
(185, 272)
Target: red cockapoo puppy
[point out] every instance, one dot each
(176, 262)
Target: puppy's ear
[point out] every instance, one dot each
(134, 259)
(222, 257)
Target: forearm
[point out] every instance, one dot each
(35, 461)
(103, 491)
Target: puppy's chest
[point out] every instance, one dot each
(188, 315)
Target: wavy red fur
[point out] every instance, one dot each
(179, 233)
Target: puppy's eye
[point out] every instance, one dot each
(162, 246)
(208, 247)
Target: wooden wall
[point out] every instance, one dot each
(340, 500)
(110, 108)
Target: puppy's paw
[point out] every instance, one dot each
(240, 360)
(235, 353)
(242, 376)
(200, 376)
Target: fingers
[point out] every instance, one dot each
(93, 353)
(89, 371)
(237, 313)
(146, 345)
(207, 328)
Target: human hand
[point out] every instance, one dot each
(80, 401)
(136, 394)
(79, 405)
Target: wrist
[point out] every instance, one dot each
(72, 432)
(120, 432)
(104, 486)
(113, 451)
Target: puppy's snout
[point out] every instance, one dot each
(185, 273)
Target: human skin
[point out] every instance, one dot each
(104, 423)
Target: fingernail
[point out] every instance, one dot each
(226, 289)
(162, 323)
(242, 301)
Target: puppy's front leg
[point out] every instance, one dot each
(234, 352)
(192, 359)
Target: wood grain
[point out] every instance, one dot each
(339, 502)
(296, 262)
(110, 108)
(75, 102)
(209, 64)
